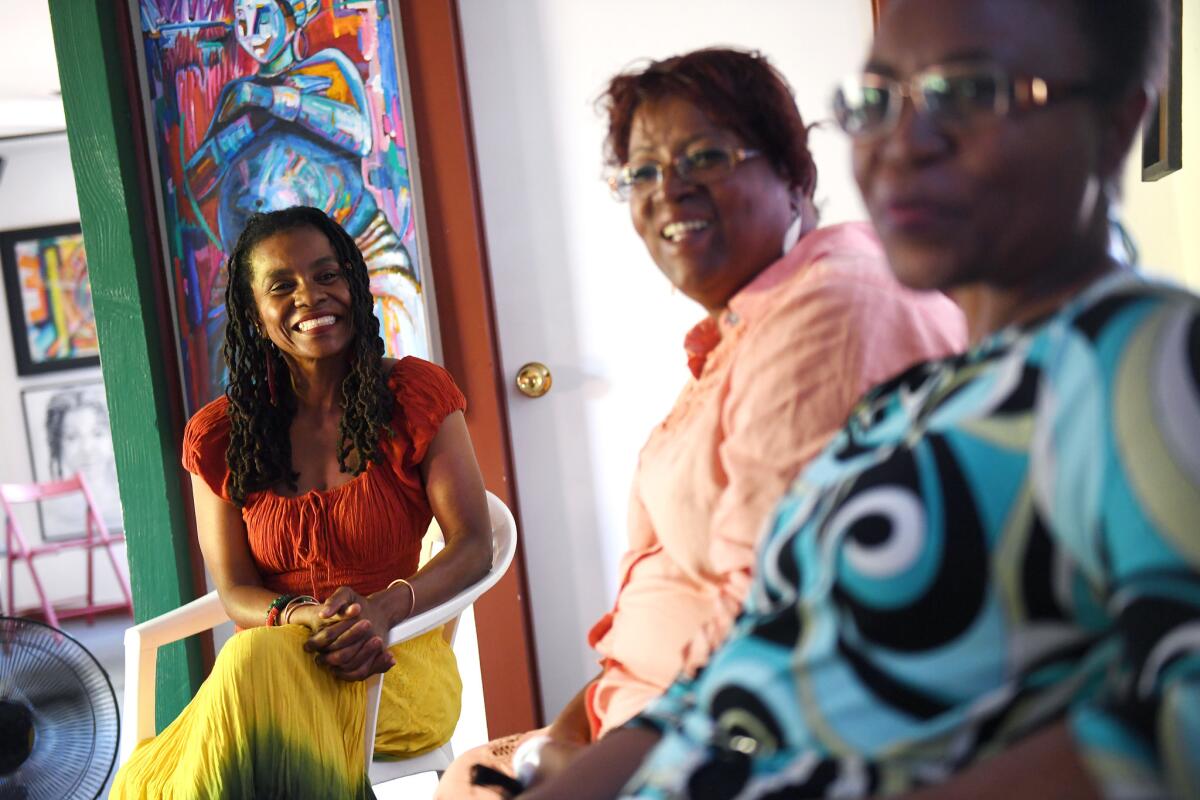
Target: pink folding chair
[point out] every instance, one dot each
(97, 535)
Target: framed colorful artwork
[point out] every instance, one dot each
(67, 429)
(257, 105)
(49, 299)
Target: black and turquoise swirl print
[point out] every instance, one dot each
(994, 543)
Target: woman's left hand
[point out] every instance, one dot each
(352, 636)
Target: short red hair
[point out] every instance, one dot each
(737, 89)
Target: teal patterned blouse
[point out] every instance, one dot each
(994, 542)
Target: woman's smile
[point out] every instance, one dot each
(316, 325)
(684, 230)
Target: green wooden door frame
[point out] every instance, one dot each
(92, 43)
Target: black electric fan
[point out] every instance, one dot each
(59, 725)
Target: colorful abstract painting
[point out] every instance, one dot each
(258, 105)
(49, 299)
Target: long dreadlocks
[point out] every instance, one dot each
(261, 405)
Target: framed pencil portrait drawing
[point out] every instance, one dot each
(67, 430)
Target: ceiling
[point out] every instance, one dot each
(29, 89)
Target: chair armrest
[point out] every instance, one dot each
(432, 618)
(141, 661)
(504, 541)
(202, 614)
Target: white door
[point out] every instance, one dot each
(574, 287)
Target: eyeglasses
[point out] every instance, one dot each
(703, 165)
(952, 95)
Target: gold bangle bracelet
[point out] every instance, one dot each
(411, 591)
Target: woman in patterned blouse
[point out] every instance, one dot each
(988, 584)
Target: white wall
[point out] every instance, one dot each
(30, 100)
(37, 188)
(575, 287)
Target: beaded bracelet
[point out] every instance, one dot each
(277, 605)
(411, 591)
(285, 618)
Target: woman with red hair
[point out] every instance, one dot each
(711, 153)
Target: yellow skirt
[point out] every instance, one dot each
(271, 723)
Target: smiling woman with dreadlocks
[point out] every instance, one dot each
(314, 479)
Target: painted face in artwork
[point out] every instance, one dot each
(263, 29)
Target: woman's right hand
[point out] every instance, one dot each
(348, 635)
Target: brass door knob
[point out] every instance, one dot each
(533, 379)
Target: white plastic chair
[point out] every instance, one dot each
(204, 613)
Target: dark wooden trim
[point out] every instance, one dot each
(1162, 135)
(132, 318)
(877, 11)
(470, 349)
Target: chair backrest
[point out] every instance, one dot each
(504, 547)
(29, 492)
(431, 543)
(47, 490)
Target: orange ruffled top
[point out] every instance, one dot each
(364, 533)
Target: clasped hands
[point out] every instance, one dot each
(349, 634)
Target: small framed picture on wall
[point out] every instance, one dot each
(67, 429)
(49, 299)
(1162, 135)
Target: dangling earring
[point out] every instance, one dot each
(792, 235)
(271, 376)
(269, 358)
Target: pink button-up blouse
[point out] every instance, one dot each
(775, 376)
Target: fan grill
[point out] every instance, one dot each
(73, 708)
